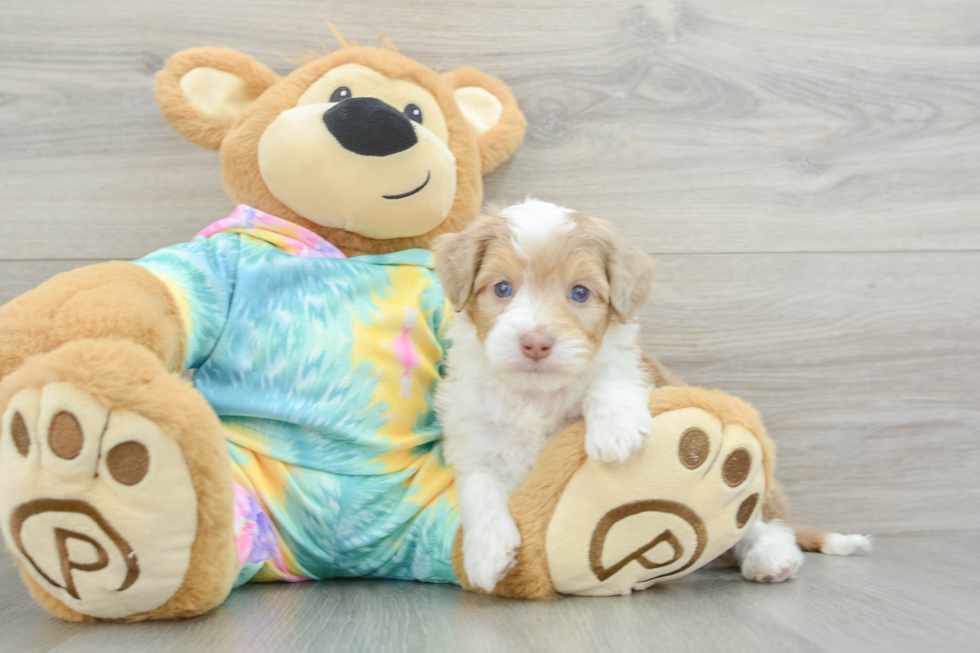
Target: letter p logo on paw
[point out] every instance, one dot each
(94, 521)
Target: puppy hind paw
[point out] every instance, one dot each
(772, 564)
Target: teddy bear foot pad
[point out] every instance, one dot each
(709, 481)
(602, 529)
(97, 506)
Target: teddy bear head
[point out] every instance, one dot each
(366, 147)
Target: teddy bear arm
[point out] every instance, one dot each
(107, 300)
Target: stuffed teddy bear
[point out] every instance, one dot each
(305, 445)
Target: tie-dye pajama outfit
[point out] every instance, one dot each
(323, 372)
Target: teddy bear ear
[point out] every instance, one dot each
(202, 92)
(491, 111)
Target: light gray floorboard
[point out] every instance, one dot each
(916, 593)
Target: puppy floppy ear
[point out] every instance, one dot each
(630, 273)
(459, 257)
(203, 92)
(457, 261)
(491, 112)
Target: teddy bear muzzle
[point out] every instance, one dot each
(360, 165)
(370, 127)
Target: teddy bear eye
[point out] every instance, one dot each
(413, 112)
(342, 93)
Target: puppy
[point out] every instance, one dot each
(544, 336)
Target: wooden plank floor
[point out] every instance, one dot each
(917, 593)
(805, 176)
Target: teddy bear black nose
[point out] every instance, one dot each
(368, 126)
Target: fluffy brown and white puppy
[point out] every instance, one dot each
(544, 336)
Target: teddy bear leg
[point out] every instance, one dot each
(687, 496)
(116, 494)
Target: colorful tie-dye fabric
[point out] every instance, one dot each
(256, 540)
(323, 371)
(286, 236)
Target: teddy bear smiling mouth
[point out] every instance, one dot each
(428, 175)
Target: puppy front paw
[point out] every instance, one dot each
(489, 552)
(617, 430)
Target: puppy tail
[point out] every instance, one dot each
(809, 538)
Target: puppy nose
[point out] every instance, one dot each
(536, 345)
(368, 126)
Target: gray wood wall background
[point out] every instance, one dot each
(805, 175)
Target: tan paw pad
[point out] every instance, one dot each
(674, 506)
(97, 505)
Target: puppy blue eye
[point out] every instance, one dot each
(580, 294)
(503, 289)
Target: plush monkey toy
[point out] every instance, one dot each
(306, 446)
